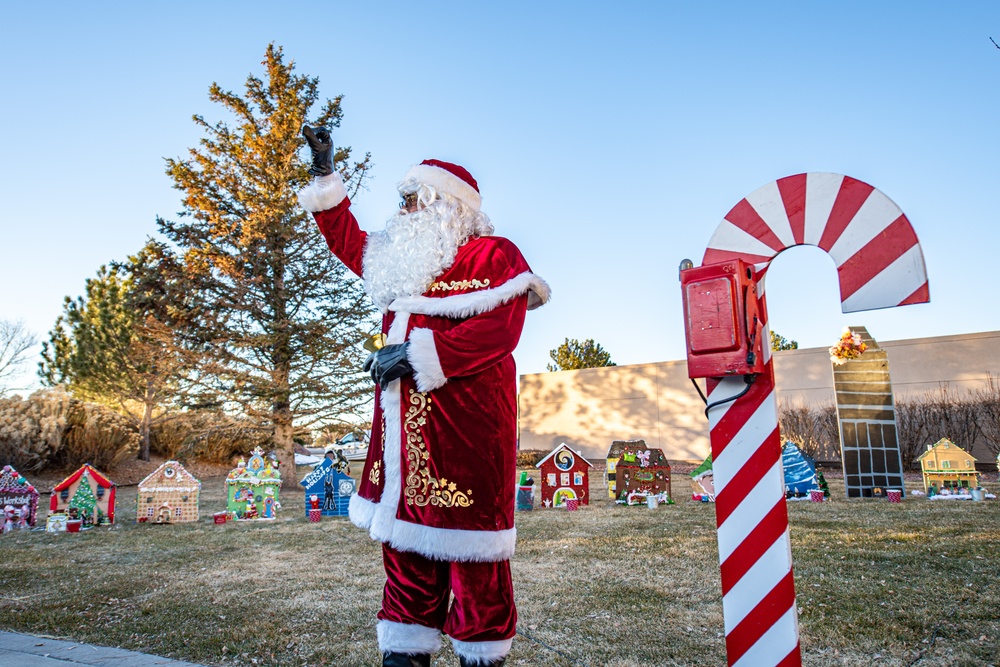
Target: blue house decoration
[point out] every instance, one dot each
(331, 485)
(799, 472)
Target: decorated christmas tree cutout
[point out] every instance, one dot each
(84, 501)
(821, 482)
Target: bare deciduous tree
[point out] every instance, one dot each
(942, 413)
(953, 415)
(912, 429)
(988, 413)
(15, 342)
(813, 429)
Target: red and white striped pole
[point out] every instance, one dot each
(755, 558)
(879, 264)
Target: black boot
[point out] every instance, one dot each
(404, 660)
(468, 662)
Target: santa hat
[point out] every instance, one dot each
(449, 179)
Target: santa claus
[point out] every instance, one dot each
(437, 488)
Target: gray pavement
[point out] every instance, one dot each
(17, 650)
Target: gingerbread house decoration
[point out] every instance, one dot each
(169, 494)
(642, 472)
(328, 488)
(945, 465)
(614, 455)
(87, 495)
(18, 500)
(252, 488)
(564, 474)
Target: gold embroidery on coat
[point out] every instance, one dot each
(376, 471)
(475, 283)
(422, 489)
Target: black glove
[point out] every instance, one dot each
(388, 364)
(321, 146)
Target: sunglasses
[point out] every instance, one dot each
(409, 201)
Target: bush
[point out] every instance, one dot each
(814, 429)
(922, 420)
(207, 436)
(528, 458)
(51, 428)
(31, 429)
(96, 435)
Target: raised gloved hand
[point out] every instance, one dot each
(388, 364)
(321, 146)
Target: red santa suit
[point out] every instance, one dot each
(438, 487)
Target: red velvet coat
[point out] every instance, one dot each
(440, 475)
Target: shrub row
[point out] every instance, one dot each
(207, 436)
(52, 429)
(966, 419)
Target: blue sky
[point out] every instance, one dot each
(609, 139)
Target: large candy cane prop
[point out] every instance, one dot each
(880, 265)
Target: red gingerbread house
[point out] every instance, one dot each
(564, 474)
(86, 494)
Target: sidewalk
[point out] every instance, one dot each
(18, 650)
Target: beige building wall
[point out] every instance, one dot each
(588, 409)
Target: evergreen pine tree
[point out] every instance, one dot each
(281, 322)
(574, 355)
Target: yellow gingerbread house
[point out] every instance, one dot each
(945, 465)
(169, 494)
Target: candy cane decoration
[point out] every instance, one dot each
(879, 264)
(878, 257)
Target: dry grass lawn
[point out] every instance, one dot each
(878, 584)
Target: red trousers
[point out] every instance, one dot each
(481, 619)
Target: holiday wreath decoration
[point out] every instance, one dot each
(850, 346)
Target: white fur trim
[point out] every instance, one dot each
(397, 330)
(478, 302)
(323, 193)
(445, 182)
(385, 511)
(449, 544)
(407, 638)
(361, 511)
(484, 652)
(437, 543)
(423, 357)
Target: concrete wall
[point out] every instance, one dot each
(656, 402)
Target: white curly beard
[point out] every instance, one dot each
(411, 252)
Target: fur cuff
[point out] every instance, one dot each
(323, 193)
(482, 652)
(361, 511)
(406, 638)
(423, 357)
